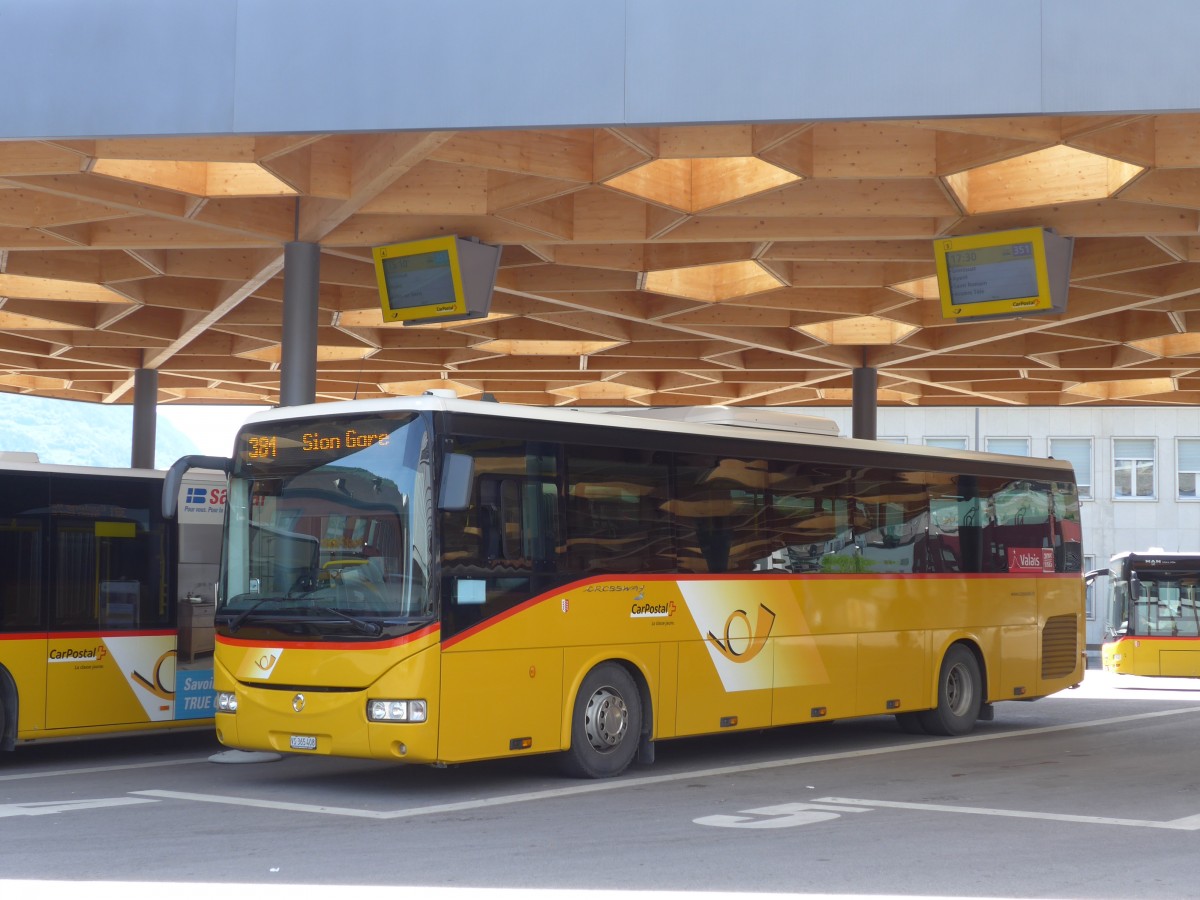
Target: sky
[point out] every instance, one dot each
(71, 432)
(211, 428)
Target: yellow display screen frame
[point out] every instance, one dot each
(992, 249)
(420, 255)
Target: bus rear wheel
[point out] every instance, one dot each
(960, 694)
(606, 724)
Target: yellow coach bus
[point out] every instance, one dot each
(1153, 625)
(105, 608)
(436, 580)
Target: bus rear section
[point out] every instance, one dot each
(105, 607)
(443, 581)
(1153, 626)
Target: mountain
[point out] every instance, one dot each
(67, 432)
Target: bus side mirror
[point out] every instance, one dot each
(458, 470)
(170, 497)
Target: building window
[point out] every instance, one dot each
(1078, 452)
(1187, 455)
(947, 443)
(1133, 468)
(893, 439)
(1013, 446)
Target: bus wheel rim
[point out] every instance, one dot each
(958, 690)
(606, 719)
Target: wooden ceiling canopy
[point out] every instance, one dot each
(740, 264)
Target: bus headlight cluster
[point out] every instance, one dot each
(226, 701)
(397, 710)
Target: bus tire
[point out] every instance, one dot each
(606, 724)
(910, 723)
(960, 694)
(8, 711)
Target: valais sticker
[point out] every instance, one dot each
(1030, 559)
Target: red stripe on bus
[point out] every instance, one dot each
(74, 635)
(333, 645)
(744, 576)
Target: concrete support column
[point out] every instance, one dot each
(145, 416)
(301, 285)
(865, 402)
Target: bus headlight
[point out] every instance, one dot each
(397, 710)
(226, 701)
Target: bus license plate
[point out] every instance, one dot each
(303, 742)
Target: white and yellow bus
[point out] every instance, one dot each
(436, 580)
(1153, 623)
(106, 610)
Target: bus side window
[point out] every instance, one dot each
(810, 516)
(947, 516)
(1021, 521)
(1068, 529)
(502, 548)
(890, 520)
(109, 550)
(719, 507)
(22, 530)
(616, 516)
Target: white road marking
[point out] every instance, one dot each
(59, 773)
(617, 784)
(199, 890)
(1189, 823)
(785, 815)
(57, 806)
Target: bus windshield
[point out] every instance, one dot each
(329, 528)
(1156, 603)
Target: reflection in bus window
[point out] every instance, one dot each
(617, 520)
(109, 556)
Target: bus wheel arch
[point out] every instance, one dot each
(8, 711)
(961, 691)
(609, 723)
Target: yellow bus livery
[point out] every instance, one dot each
(105, 607)
(1153, 623)
(483, 581)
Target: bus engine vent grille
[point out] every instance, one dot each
(1060, 646)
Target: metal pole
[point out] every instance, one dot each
(145, 412)
(298, 360)
(865, 402)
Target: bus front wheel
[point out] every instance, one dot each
(606, 724)
(960, 694)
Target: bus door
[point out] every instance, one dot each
(500, 551)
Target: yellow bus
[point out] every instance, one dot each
(437, 580)
(106, 609)
(1153, 625)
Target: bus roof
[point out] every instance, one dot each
(1154, 556)
(671, 422)
(17, 465)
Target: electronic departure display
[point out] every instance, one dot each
(314, 442)
(436, 279)
(1002, 274)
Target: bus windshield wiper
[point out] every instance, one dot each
(363, 625)
(236, 622)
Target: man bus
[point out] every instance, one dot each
(1153, 623)
(436, 580)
